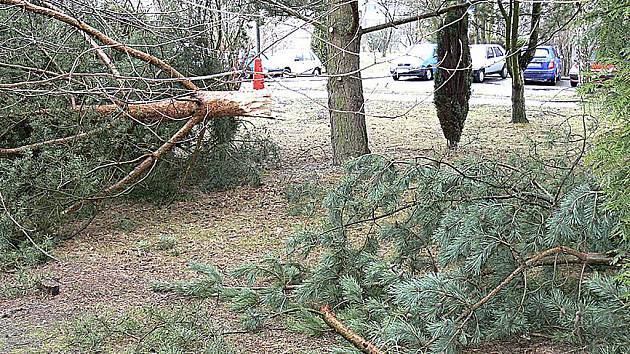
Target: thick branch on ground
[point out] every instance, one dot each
(356, 340)
(536, 260)
(419, 17)
(103, 39)
(584, 257)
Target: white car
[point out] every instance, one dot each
(294, 62)
(487, 59)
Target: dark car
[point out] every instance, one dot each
(546, 66)
(418, 61)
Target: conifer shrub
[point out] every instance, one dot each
(434, 256)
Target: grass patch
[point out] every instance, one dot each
(173, 329)
(22, 283)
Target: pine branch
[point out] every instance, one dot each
(359, 342)
(37, 146)
(582, 256)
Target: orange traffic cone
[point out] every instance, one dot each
(259, 79)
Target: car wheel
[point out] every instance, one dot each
(504, 72)
(429, 74)
(395, 77)
(317, 71)
(286, 71)
(479, 75)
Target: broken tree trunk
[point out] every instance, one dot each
(198, 107)
(207, 104)
(359, 342)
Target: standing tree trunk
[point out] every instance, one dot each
(519, 115)
(518, 59)
(454, 77)
(345, 88)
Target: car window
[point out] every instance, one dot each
(489, 53)
(498, 52)
(299, 57)
(541, 53)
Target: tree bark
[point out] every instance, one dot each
(519, 115)
(517, 60)
(345, 88)
(211, 104)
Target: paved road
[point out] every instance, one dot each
(378, 85)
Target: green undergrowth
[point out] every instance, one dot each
(176, 328)
(21, 283)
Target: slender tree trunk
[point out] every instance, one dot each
(519, 115)
(345, 88)
(518, 94)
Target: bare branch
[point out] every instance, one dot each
(103, 38)
(359, 342)
(419, 17)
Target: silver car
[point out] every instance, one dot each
(488, 59)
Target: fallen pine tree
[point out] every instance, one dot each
(435, 256)
(73, 136)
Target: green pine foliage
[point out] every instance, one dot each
(608, 24)
(407, 249)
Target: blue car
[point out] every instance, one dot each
(418, 61)
(546, 66)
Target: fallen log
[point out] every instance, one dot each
(206, 104)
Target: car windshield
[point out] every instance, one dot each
(541, 53)
(422, 51)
